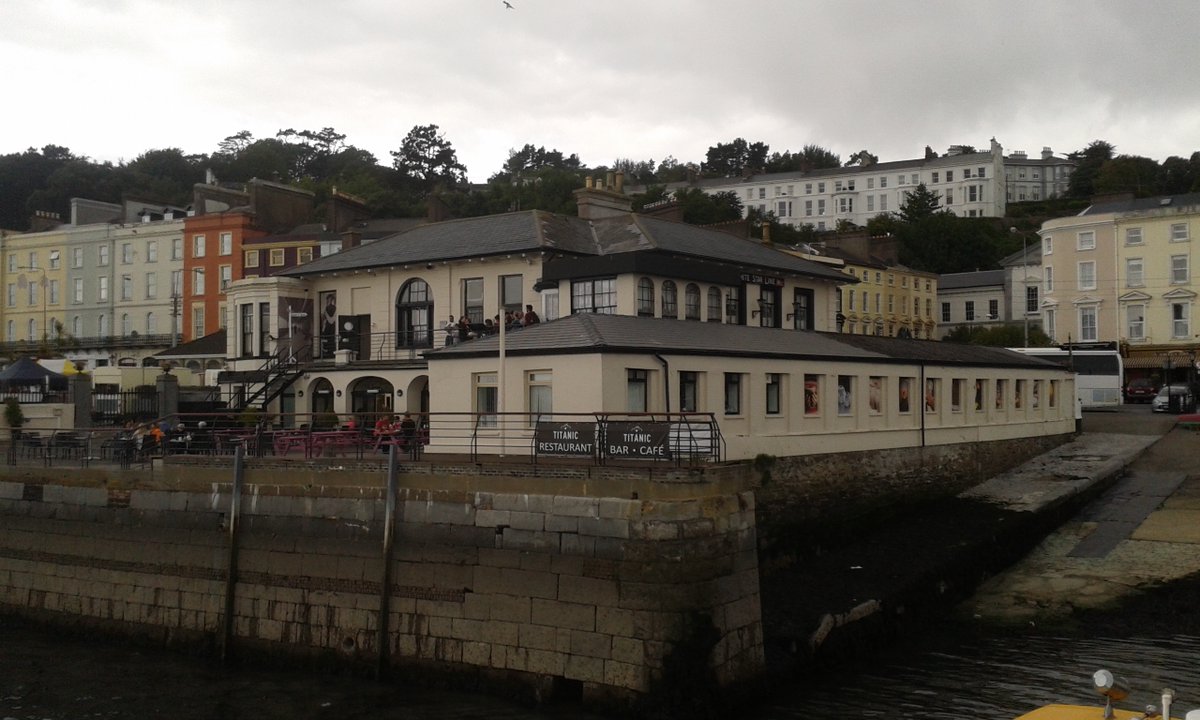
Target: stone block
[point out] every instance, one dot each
(587, 669)
(537, 562)
(516, 609)
(527, 520)
(499, 659)
(476, 653)
(566, 564)
(472, 536)
(605, 548)
(500, 557)
(615, 621)
(604, 527)
(523, 503)
(573, 544)
(544, 662)
(537, 637)
(572, 616)
(586, 590)
(629, 650)
(492, 518)
(498, 632)
(476, 606)
(529, 540)
(620, 509)
(464, 629)
(591, 644)
(625, 675)
(562, 523)
(575, 506)
(656, 530)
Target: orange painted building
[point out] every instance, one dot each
(212, 258)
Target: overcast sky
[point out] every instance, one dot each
(647, 79)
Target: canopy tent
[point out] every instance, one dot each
(27, 373)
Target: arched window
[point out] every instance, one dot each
(32, 329)
(102, 326)
(11, 332)
(414, 315)
(714, 304)
(151, 324)
(691, 302)
(125, 325)
(670, 301)
(645, 296)
(77, 326)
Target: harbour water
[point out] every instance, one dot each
(952, 675)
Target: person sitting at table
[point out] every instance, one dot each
(383, 426)
(408, 431)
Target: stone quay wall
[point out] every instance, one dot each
(591, 580)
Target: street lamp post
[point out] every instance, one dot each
(45, 329)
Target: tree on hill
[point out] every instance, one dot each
(735, 158)
(531, 158)
(811, 157)
(428, 159)
(1128, 173)
(945, 243)
(919, 203)
(1177, 175)
(1007, 335)
(700, 208)
(862, 158)
(1088, 162)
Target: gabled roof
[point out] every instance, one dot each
(535, 231)
(588, 333)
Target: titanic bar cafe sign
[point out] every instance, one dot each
(640, 440)
(565, 439)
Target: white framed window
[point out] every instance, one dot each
(1049, 315)
(541, 395)
(77, 326)
(77, 257)
(126, 253)
(151, 324)
(77, 290)
(1180, 320)
(774, 391)
(126, 287)
(177, 248)
(198, 282)
(151, 285)
(1048, 272)
(1134, 275)
(151, 251)
(1179, 269)
(176, 283)
(1135, 322)
(102, 256)
(126, 325)
(198, 246)
(1047, 246)
(1133, 236)
(251, 258)
(276, 257)
(226, 276)
(1087, 275)
(55, 262)
(102, 290)
(225, 243)
(305, 254)
(1179, 232)
(54, 292)
(1086, 240)
(198, 320)
(1087, 323)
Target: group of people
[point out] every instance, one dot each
(405, 428)
(150, 437)
(463, 329)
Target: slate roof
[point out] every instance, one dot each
(979, 278)
(588, 333)
(212, 344)
(535, 230)
(1143, 204)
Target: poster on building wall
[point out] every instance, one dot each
(328, 320)
(295, 328)
(845, 391)
(812, 394)
(565, 439)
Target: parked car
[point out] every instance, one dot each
(1140, 390)
(1174, 398)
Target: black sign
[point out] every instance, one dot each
(565, 439)
(763, 280)
(638, 440)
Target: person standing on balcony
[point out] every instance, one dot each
(530, 318)
(451, 330)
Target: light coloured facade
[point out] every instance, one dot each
(1122, 271)
(991, 298)
(1040, 178)
(890, 301)
(823, 393)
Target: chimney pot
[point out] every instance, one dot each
(609, 180)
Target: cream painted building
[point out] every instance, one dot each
(1122, 271)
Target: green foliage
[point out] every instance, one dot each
(735, 158)
(1088, 162)
(862, 158)
(919, 204)
(13, 415)
(1007, 335)
(811, 157)
(1128, 173)
(945, 243)
(426, 157)
(700, 208)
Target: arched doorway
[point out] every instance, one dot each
(320, 402)
(371, 397)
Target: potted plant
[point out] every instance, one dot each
(14, 416)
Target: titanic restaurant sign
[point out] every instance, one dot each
(567, 439)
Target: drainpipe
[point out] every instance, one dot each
(921, 402)
(666, 381)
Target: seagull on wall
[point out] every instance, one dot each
(508, 5)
